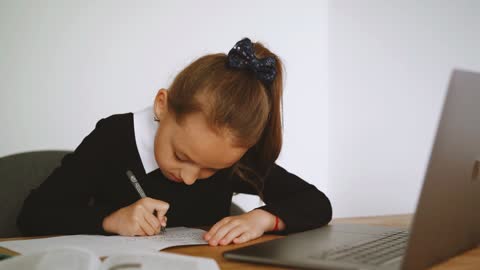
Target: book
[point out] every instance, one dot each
(75, 258)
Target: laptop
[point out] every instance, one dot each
(446, 221)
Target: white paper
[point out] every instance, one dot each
(74, 258)
(161, 260)
(54, 259)
(109, 245)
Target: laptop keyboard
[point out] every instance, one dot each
(374, 252)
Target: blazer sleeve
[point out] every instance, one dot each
(60, 205)
(299, 204)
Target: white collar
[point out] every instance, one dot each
(145, 129)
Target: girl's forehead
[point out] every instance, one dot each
(206, 147)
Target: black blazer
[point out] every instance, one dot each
(62, 204)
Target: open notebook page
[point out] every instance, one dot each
(108, 245)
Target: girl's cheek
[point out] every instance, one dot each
(168, 165)
(205, 175)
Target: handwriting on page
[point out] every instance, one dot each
(171, 236)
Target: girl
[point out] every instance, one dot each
(215, 131)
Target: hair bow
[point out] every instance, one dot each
(242, 56)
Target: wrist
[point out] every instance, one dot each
(269, 220)
(277, 224)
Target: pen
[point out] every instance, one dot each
(140, 191)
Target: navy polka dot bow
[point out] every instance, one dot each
(242, 56)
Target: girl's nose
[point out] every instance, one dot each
(190, 174)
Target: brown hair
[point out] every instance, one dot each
(236, 101)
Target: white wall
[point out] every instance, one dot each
(66, 64)
(389, 63)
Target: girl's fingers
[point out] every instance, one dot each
(162, 220)
(232, 234)
(139, 232)
(157, 205)
(153, 222)
(244, 237)
(221, 232)
(215, 228)
(145, 225)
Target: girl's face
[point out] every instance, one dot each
(191, 150)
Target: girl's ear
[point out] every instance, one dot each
(161, 104)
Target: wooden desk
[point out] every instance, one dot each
(470, 260)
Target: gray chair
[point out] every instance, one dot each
(20, 174)
(25, 171)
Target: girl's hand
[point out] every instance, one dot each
(137, 218)
(241, 228)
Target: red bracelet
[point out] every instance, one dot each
(276, 224)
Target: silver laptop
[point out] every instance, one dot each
(446, 221)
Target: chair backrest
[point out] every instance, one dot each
(20, 173)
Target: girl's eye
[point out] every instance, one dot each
(210, 170)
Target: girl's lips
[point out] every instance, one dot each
(175, 178)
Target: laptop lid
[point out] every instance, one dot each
(447, 219)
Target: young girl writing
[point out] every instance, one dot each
(217, 130)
